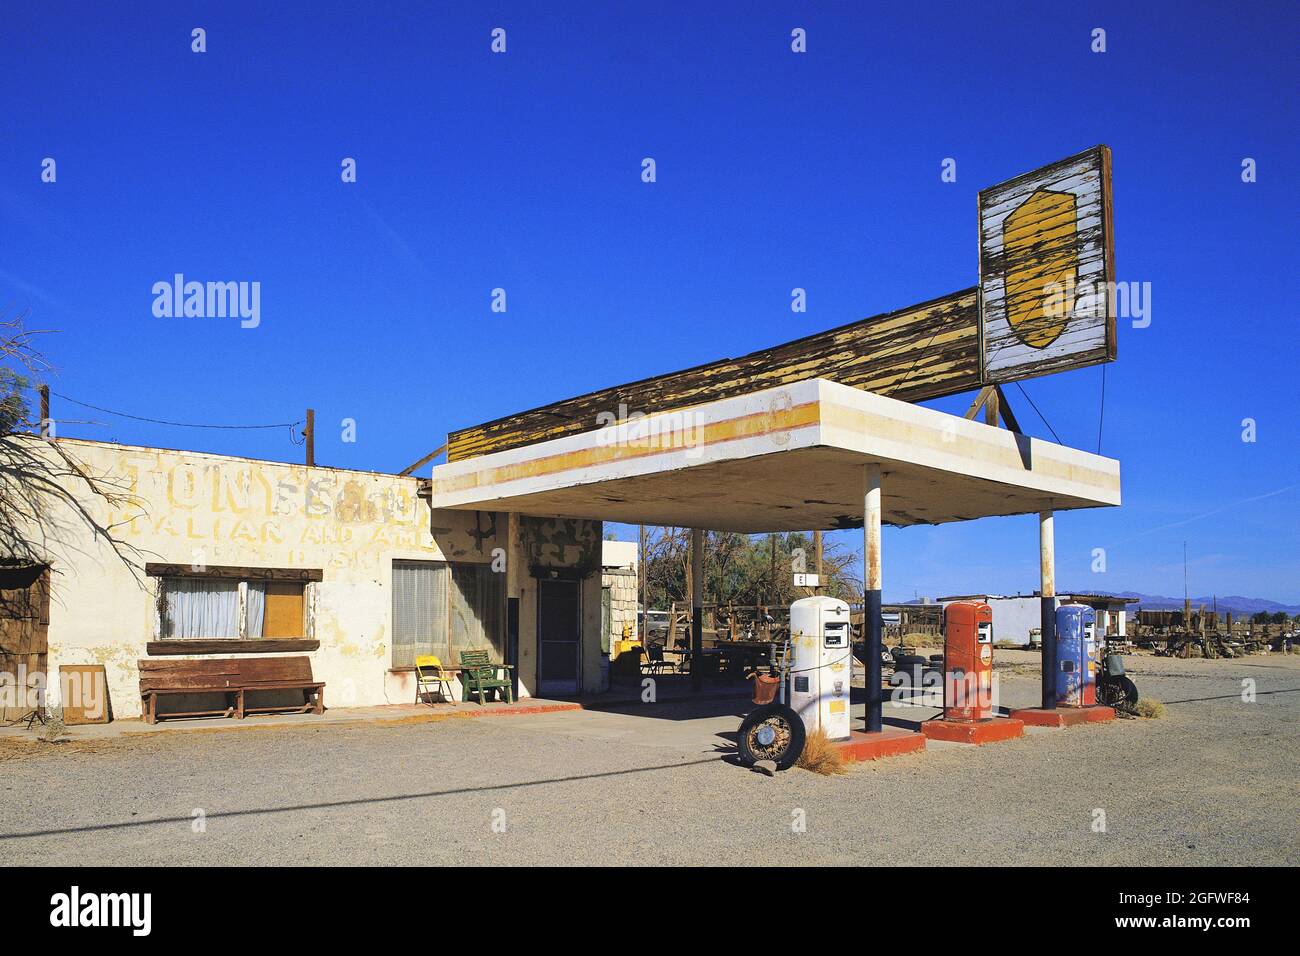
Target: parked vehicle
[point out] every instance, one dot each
(1114, 688)
(655, 629)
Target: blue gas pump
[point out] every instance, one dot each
(1076, 656)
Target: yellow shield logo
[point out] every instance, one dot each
(1040, 249)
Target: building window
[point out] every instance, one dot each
(443, 609)
(283, 611)
(223, 607)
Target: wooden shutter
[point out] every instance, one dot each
(284, 610)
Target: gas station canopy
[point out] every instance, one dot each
(789, 458)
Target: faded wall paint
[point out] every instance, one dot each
(191, 507)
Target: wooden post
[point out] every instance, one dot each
(871, 619)
(1047, 590)
(697, 608)
(774, 587)
(643, 589)
(309, 433)
(991, 408)
(45, 411)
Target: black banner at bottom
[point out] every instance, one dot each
(138, 904)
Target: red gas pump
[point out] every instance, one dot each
(968, 661)
(968, 680)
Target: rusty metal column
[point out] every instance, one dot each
(697, 609)
(871, 620)
(512, 602)
(1047, 589)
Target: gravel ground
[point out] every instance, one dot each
(1215, 781)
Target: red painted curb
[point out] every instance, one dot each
(1064, 716)
(890, 742)
(511, 711)
(975, 731)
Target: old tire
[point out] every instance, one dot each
(1130, 692)
(1120, 693)
(771, 732)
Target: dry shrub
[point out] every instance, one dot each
(1149, 707)
(820, 755)
(54, 730)
(914, 640)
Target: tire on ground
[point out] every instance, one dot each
(785, 721)
(1130, 691)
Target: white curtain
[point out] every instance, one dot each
(199, 607)
(256, 608)
(419, 611)
(477, 600)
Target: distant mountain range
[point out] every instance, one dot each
(1235, 603)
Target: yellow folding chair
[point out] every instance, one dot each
(429, 677)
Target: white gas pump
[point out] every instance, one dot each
(821, 664)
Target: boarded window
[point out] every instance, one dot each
(224, 607)
(283, 614)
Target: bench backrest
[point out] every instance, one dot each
(208, 672)
(223, 672)
(255, 670)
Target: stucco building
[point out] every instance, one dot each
(237, 557)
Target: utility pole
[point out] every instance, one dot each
(309, 433)
(697, 609)
(774, 587)
(46, 431)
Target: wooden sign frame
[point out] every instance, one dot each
(1047, 270)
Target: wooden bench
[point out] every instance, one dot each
(232, 677)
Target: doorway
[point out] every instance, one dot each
(24, 629)
(559, 637)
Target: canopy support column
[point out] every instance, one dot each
(1047, 588)
(871, 606)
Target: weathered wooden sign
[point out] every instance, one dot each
(1047, 269)
(921, 352)
(1045, 303)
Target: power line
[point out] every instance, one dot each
(161, 421)
(1040, 414)
(919, 356)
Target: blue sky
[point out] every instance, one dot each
(775, 170)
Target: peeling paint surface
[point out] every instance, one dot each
(192, 508)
